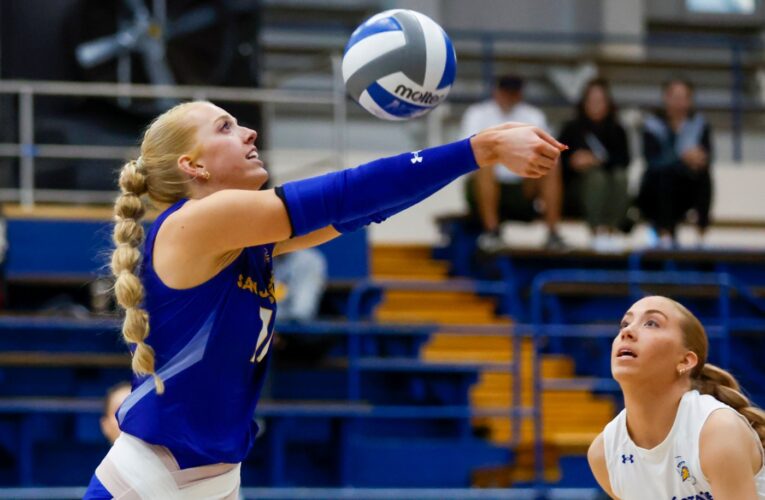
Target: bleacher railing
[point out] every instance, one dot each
(358, 327)
(28, 151)
(740, 52)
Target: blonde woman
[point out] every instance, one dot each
(687, 431)
(198, 293)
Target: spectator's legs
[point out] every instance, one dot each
(551, 193)
(486, 195)
(703, 198)
(617, 200)
(658, 199)
(595, 198)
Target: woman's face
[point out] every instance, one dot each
(596, 104)
(678, 99)
(649, 347)
(228, 150)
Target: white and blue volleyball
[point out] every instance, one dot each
(399, 64)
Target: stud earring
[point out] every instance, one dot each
(206, 175)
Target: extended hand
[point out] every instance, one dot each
(528, 151)
(696, 158)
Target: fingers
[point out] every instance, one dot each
(550, 139)
(509, 125)
(547, 150)
(545, 163)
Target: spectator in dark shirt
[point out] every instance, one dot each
(678, 152)
(595, 166)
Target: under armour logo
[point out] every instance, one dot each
(416, 158)
(628, 458)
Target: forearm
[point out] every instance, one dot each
(384, 187)
(378, 187)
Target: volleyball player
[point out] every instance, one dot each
(687, 431)
(198, 300)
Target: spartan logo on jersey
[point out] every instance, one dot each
(683, 470)
(628, 459)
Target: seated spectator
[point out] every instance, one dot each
(595, 166)
(112, 402)
(678, 151)
(497, 195)
(300, 280)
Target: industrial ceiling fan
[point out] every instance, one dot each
(163, 39)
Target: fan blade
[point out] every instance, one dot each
(138, 8)
(196, 20)
(155, 62)
(96, 51)
(206, 16)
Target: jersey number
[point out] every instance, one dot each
(265, 318)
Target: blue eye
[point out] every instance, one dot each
(226, 125)
(651, 322)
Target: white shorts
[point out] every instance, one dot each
(136, 470)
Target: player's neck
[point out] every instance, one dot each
(651, 411)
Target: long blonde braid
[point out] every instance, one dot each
(128, 237)
(155, 173)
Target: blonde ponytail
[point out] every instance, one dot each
(713, 380)
(717, 382)
(128, 237)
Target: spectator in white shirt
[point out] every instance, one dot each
(496, 195)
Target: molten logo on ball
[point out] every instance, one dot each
(414, 95)
(399, 64)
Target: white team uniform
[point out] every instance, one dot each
(671, 470)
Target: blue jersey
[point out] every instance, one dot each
(211, 344)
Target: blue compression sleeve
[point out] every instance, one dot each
(375, 190)
(382, 215)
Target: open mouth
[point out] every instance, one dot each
(253, 154)
(625, 352)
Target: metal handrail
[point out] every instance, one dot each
(105, 89)
(354, 316)
(27, 150)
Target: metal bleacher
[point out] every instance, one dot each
(384, 414)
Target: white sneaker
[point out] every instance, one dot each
(617, 243)
(601, 243)
(490, 242)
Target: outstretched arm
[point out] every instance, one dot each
(231, 219)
